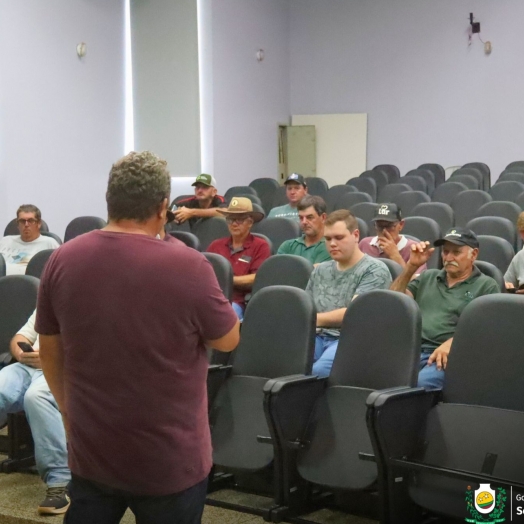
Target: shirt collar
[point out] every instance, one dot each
(474, 274)
(247, 243)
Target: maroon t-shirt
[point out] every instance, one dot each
(133, 313)
(245, 261)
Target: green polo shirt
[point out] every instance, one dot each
(441, 306)
(315, 253)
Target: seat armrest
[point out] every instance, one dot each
(397, 418)
(289, 402)
(370, 402)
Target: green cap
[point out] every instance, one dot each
(207, 180)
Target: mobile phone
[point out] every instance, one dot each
(511, 290)
(25, 347)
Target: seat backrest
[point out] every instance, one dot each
(492, 271)
(486, 173)
(485, 353)
(366, 211)
(506, 191)
(447, 191)
(470, 171)
(427, 175)
(189, 239)
(441, 213)
(388, 192)
(36, 265)
(348, 200)
(285, 270)
(267, 240)
(364, 185)
(237, 191)
(425, 229)
(392, 172)
(520, 201)
(517, 165)
(363, 228)
(395, 268)
(469, 181)
(278, 334)
(494, 226)
(466, 204)
(508, 210)
(379, 177)
(416, 183)
(279, 197)
(508, 176)
(51, 235)
(254, 199)
(223, 271)
(438, 172)
(17, 303)
(495, 250)
(379, 343)
(316, 186)
(80, 225)
(2, 266)
(209, 229)
(334, 193)
(179, 198)
(265, 188)
(12, 228)
(407, 201)
(278, 230)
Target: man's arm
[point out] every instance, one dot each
(331, 318)
(52, 360)
(29, 359)
(420, 254)
(244, 282)
(185, 213)
(228, 342)
(440, 355)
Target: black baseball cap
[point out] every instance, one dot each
(295, 177)
(388, 213)
(459, 236)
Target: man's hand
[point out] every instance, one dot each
(440, 355)
(182, 214)
(509, 285)
(30, 359)
(420, 254)
(387, 244)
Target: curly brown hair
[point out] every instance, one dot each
(138, 183)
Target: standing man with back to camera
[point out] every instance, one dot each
(123, 320)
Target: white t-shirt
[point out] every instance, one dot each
(18, 253)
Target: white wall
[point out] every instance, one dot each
(249, 98)
(165, 81)
(61, 118)
(406, 63)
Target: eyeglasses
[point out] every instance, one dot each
(30, 221)
(238, 220)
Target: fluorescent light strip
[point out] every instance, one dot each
(129, 136)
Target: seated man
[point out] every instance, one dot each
(296, 189)
(442, 295)
(334, 284)
(514, 276)
(24, 388)
(311, 245)
(245, 251)
(18, 250)
(203, 205)
(389, 243)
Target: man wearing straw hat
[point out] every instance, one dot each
(244, 251)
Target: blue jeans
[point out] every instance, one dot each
(429, 377)
(93, 503)
(325, 350)
(239, 310)
(23, 388)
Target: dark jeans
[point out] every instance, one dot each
(93, 503)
